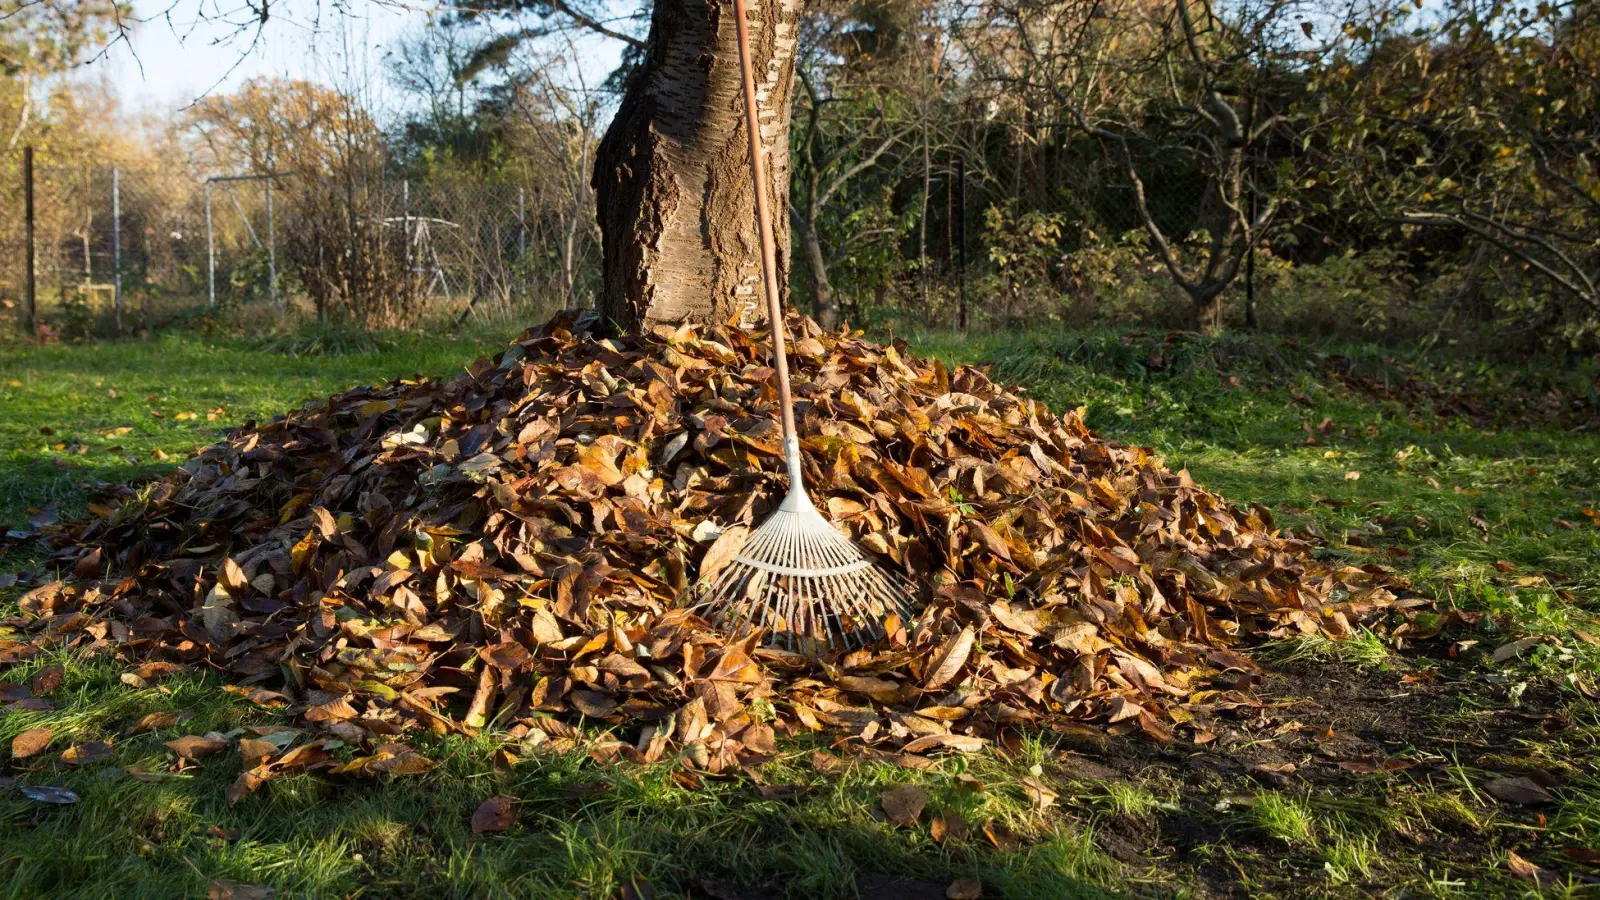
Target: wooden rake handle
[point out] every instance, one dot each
(769, 250)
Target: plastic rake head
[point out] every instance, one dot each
(805, 584)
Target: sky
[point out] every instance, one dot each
(182, 49)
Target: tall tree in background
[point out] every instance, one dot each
(1161, 86)
(849, 122)
(1483, 127)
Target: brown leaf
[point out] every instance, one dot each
(155, 722)
(254, 752)
(248, 782)
(1515, 648)
(636, 889)
(963, 743)
(232, 578)
(30, 742)
(824, 762)
(1040, 793)
(1001, 835)
(593, 704)
(85, 754)
(196, 747)
(1586, 855)
(1022, 621)
(88, 565)
(949, 827)
(903, 804)
(45, 682)
(880, 689)
(723, 550)
(1522, 868)
(494, 815)
(1521, 790)
(947, 662)
(510, 656)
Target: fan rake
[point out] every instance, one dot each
(796, 578)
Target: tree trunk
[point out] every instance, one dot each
(1208, 311)
(672, 174)
(826, 309)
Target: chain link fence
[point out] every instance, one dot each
(119, 250)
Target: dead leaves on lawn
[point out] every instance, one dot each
(495, 815)
(30, 742)
(515, 547)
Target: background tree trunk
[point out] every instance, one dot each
(1207, 310)
(826, 310)
(672, 175)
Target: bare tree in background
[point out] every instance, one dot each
(1155, 81)
(557, 128)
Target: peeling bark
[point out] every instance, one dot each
(672, 175)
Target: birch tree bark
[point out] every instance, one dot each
(672, 174)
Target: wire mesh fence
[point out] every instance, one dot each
(120, 249)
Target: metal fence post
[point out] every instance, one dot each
(211, 253)
(272, 253)
(30, 300)
(405, 225)
(116, 245)
(961, 240)
(522, 236)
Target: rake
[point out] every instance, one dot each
(796, 578)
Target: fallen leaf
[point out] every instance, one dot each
(30, 742)
(1522, 868)
(952, 655)
(45, 682)
(723, 550)
(85, 754)
(494, 815)
(1520, 789)
(824, 762)
(1038, 792)
(196, 747)
(155, 722)
(1515, 648)
(949, 827)
(963, 743)
(1586, 855)
(254, 752)
(58, 796)
(1001, 836)
(903, 804)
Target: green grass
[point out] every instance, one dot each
(1471, 510)
(64, 408)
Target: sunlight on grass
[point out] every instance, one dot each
(1488, 518)
(1363, 650)
(1284, 818)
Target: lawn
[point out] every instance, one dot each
(1371, 769)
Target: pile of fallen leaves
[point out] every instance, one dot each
(515, 547)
